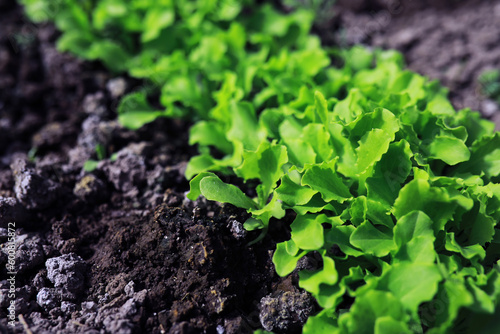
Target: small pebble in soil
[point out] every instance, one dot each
(116, 87)
(129, 288)
(48, 298)
(103, 299)
(489, 107)
(68, 307)
(286, 311)
(91, 189)
(95, 104)
(89, 306)
(237, 229)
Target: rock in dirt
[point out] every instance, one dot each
(67, 272)
(39, 281)
(68, 307)
(286, 311)
(116, 87)
(129, 289)
(95, 104)
(31, 189)
(48, 298)
(89, 306)
(127, 172)
(237, 229)
(490, 107)
(91, 189)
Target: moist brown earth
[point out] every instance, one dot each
(120, 249)
(451, 41)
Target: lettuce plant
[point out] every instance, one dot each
(191, 54)
(395, 194)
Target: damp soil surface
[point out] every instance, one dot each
(452, 41)
(121, 249)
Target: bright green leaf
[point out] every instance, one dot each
(215, 190)
(373, 240)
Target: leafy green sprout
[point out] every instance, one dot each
(32, 154)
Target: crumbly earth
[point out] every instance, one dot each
(448, 40)
(121, 249)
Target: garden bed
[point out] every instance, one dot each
(122, 248)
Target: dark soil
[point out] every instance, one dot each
(452, 41)
(121, 249)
